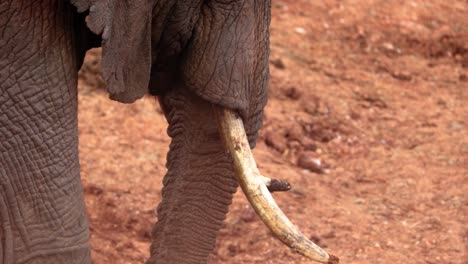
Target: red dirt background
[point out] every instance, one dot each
(367, 118)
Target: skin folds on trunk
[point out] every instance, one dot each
(198, 186)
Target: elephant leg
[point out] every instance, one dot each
(198, 186)
(42, 213)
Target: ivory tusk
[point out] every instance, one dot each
(254, 186)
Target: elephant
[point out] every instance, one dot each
(203, 60)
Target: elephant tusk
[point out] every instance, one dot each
(253, 184)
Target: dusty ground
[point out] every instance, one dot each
(375, 90)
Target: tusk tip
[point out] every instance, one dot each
(278, 186)
(333, 260)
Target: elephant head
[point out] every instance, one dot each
(207, 61)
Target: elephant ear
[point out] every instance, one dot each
(226, 61)
(124, 26)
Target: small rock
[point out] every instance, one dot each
(144, 234)
(278, 63)
(278, 5)
(233, 250)
(295, 132)
(330, 234)
(307, 161)
(93, 190)
(456, 126)
(300, 30)
(299, 190)
(354, 115)
(275, 141)
(463, 77)
(402, 76)
(441, 33)
(292, 93)
(293, 144)
(308, 144)
(248, 215)
(465, 63)
(318, 241)
(359, 201)
(390, 48)
(312, 105)
(441, 102)
(465, 148)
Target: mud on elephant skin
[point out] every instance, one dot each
(196, 56)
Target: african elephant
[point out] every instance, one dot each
(204, 60)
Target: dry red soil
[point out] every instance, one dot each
(376, 91)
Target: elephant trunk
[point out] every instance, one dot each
(208, 155)
(198, 186)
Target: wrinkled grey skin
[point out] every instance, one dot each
(189, 53)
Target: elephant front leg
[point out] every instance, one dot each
(42, 212)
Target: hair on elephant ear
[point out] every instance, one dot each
(122, 24)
